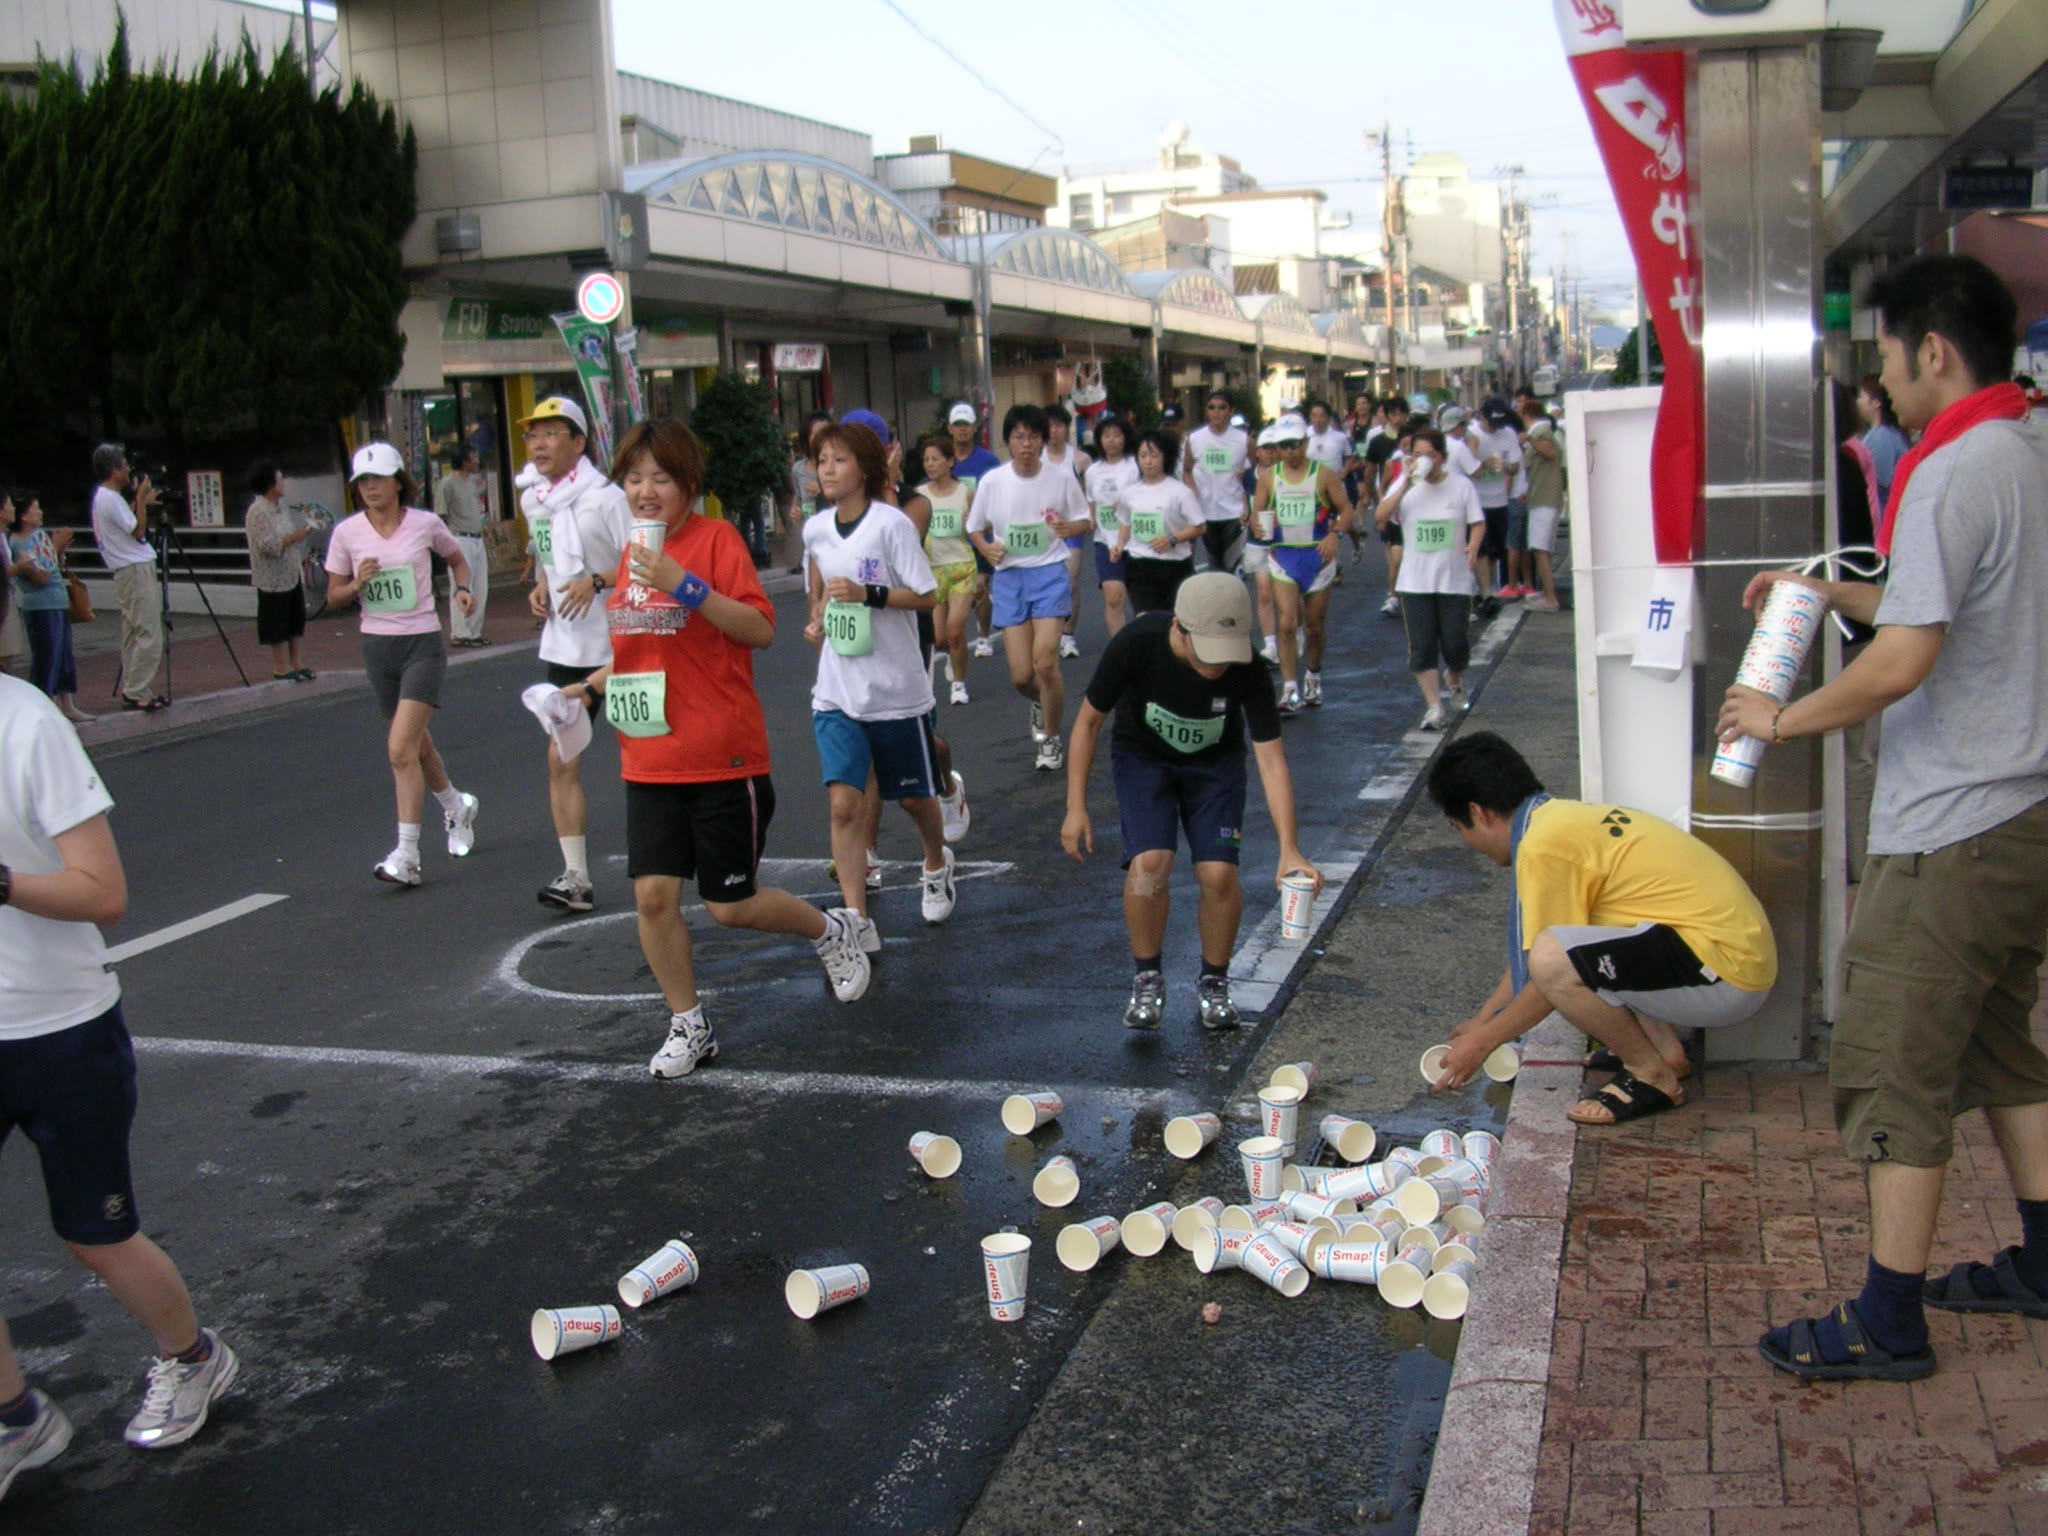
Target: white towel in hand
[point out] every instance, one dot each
(565, 719)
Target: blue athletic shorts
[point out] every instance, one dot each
(1108, 568)
(902, 752)
(1076, 540)
(1038, 592)
(1157, 801)
(73, 1095)
(1518, 523)
(1302, 566)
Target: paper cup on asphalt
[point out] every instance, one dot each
(1005, 1268)
(1301, 1240)
(1058, 1182)
(1374, 1227)
(1467, 1219)
(1352, 1140)
(1454, 1250)
(1441, 1143)
(1297, 908)
(1280, 1114)
(1024, 1113)
(1250, 1217)
(1503, 1064)
(1190, 1220)
(1422, 1201)
(1406, 1158)
(1483, 1147)
(1086, 1243)
(811, 1291)
(1418, 1237)
(1262, 1157)
(1369, 1181)
(1145, 1231)
(1298, 1075)
(1297, 1177)
(1188, 1136)
(1402, 1278)
(938, 1156)
(1448, 1292)
(1433, 1063)
(564, 1330)
(1300, 1205)
(669, 1268)
(1264, 1259)
(1215, 1248)
(1358, 1263)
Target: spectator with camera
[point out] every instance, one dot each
(120, 525)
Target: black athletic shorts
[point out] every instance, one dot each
(711, 833)
(72, 1092)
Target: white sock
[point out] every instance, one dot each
(450, 798)
(409, 838)
(574, 856)
(694, 1016)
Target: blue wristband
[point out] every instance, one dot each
(692, 592)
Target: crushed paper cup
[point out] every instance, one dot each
(938, 1156)
(1402, 1277)
(669, 1268)
(1145, 1231)
(1264, 1259)
(811, 1291)
(1024, 1113)
(1441, 1143)
(1188, 1136)
(1298, 1075)
(1358, 1263)
(1005, 1269)
(1218, 1248)
(1352, 1140)
(561, 1331)
(1261, 1156)
(1250, 1217)
(1279, 1115)
(1448, 1292)
(1190, 1220)
(1481, 1146)
(1057, 1183)
(1083, 1245)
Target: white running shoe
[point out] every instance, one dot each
(1312, 689)
(954, 816)
(1270, 649)
(867, 935)
(938, 891)
(35, 1444)
(983, 648)
(1069, 647)
(1052, 756)
(1037, 721)
(399, 868)
(462, 827)
(689, 1043)
(1457, 700)
(846, 964)
(1391, 607)
(874, 870)
(175, 1402)
(1290, 700)
(1438, 719)
(959, 693)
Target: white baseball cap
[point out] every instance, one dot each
(376, 459)
(961, 412)
(1290, 429)
(559, 408)
(1269, 435)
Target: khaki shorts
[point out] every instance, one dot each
(954, 580)
(1941, 973)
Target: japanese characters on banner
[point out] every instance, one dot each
(1637, 104)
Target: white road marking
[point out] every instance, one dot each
(205, 920)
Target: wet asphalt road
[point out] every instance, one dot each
(380, 1127)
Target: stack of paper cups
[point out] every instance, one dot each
(1191, 1220)
(1448, 1292)
(1352, 1140)
(669, 1268)
(1785, 631)
(938, 1156)
(1280, 1113)
(1188, 1136)
(1298, 1075)
(1402, 1277)
(1006, 1267)
(1145, 1231)
(811, 1291)
(1082, 1246)
(1057, 1182)
(1297, 908)
(564, 1330)
(1264, 1259)
(1024, 1113)
(1262, 1156)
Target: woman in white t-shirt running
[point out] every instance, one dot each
(1105, 478)
(1442, 530)
(1159, 522)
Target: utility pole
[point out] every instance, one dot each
(1389, 218)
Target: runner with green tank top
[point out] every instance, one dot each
(952, 557)
(1310, 511)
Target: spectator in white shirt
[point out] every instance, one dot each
(120, 518)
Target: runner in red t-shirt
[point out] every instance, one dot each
(693, 746)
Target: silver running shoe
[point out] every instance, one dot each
(1218, 1011)
(689, 1043)
(35, 1444)
(1037, 721)
(1312, 689)
(462, 827)
(1052, 755)
(174, 1404)
(937, 897)
(1148, 1001)
(846, 963)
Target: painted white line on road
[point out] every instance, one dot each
(118, 952)
(785, 1084)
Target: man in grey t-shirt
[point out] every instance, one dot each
(459, 498)
(1951, 921)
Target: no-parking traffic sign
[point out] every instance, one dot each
(600, 298)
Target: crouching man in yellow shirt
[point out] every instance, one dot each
(1618, 920)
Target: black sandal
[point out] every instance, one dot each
(1603, 1059)
(1955, 1292)
(1867, 1360)
(1627, 1098)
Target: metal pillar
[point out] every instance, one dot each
(1757, 154)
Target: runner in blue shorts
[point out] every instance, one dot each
(1309, 510)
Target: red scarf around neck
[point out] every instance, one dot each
(1997, 402)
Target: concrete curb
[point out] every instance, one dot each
(1482, 1478)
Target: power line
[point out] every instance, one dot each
(1059, 145)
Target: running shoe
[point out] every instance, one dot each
(1312, 690)
(689, 1044)
(1270, 649)
(1069, 647)
(1438, 719)
(36, 1444)
(399, 868)
(937, 900)
(569, 891)
(175, 1402)
(1391, 607)
(983, 648)
(846, 964)
(954, 815)
(1052, 756)
(1148, 1001)
(1037, 721)
(866, 934)
(959, 693)
(1290, 700)
(1455, 701)
(1543, 605)
(462, 827)
(1218, 1011)
(1488, 607)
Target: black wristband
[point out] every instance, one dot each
(878, 595)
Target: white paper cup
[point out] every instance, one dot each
(1736, 762)
(1216, 1248)
(938, 1156)
(1250, 1217)
(1300, 1205)
(1423, 1200)
(1296, 1177)
(1466, 1219)
(1058, 1182)
(1265, 1259)
(1503, 1064)
(1419, 1237)
(1188, 1136)
(1405, 1157)
(649, 533)
(1298, 1075)
(1297, 908)
(811, 1291)
(1367, 1182)
(1279, 1115)
(1433, 1063)
(1372, 1227)
(1473, 1179)
(1262, 1157)
(1024, 1113)
(1190, 1220)
(1356, 1262)
(1456, 1251)
(1302, 1240)
(1352, 1140)
(564, 1330)
(669, 1268)
(1085, 1244)
(1403, 1276)
(1448, 1292)
(1481, 1147)
(1441, 1143)
(1006, 1270)
(1145, 1231)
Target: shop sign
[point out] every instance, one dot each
(799, 356)
(1977, 187)
(490, 320)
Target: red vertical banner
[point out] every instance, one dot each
(1636, 103)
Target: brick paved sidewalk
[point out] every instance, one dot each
(1692, 1232)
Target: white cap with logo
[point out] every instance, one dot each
(376, 459)
(961, 412)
